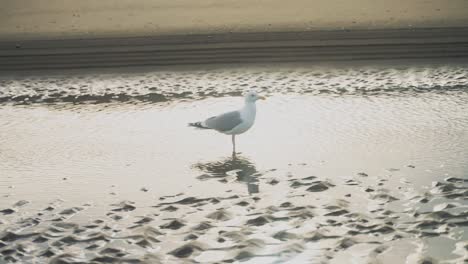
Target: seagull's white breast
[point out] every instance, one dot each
(248, 113)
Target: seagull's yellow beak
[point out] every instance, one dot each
(261, 98)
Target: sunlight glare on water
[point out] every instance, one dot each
(152, 146)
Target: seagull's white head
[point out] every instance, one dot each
(252, 96)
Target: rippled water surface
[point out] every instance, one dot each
(382, 142)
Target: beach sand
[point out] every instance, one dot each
(169, 51)
(38, 19)
(41, 35)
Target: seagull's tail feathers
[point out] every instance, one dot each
(198, 125)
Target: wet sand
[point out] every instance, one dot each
(169, 51)
(300, 220)
(101, 167)
(57, 35)
(46, 34)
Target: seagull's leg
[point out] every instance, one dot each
(234, 145)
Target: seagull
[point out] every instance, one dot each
(234, 122)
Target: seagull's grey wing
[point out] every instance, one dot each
(224, 122)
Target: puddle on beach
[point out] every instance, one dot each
(346, 164)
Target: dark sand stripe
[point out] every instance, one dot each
(234, 48)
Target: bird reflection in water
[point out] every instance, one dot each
(242, 167)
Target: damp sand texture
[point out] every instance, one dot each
(371, 168)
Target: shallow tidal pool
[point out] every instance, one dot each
(345, 164)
